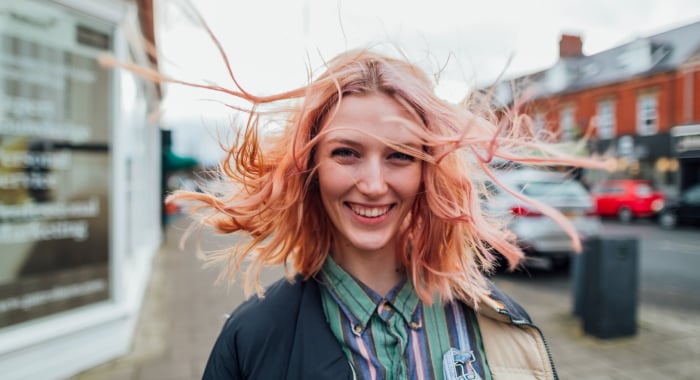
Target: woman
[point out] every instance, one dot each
(371, 198)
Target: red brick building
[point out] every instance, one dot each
(628, 99)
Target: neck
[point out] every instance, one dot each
(379, 270)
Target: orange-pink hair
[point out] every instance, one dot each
(267, 191)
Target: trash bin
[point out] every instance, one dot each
(606, 286)
(577, 280)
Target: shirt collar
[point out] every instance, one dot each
(358, 302)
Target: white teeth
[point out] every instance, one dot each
(370, 212)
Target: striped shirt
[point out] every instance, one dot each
(397, 336)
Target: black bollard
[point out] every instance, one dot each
(606, 286)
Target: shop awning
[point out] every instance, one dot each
(175, 162)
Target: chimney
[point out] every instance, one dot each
(570, 45)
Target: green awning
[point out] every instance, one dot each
(174, 162)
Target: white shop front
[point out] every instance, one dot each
(79, 185)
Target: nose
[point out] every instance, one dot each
(370, 179)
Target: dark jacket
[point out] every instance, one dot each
(285, 336)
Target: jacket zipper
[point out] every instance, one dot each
(544, 340)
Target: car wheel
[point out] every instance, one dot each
(625, 215)
(668, 220)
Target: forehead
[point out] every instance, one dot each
(374, 114)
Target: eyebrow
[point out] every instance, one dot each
(350, 142)
(344, 141)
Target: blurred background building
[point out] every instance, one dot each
(80, 183)
(639, 102)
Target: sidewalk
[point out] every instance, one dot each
(183, 312)
(666, 346)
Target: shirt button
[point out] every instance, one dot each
(357, 329)
(415, 325)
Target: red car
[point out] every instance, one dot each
(627, 199)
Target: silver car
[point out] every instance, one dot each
(539, 235)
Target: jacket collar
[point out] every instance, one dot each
(499, 306)
(316, 354)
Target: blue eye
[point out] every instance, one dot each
(343, 152)
(402, 156)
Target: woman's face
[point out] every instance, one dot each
(367, 188)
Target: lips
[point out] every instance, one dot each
(369, 212)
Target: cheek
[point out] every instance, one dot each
(331, 181)
(409, 182)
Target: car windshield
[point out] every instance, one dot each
(541, 189)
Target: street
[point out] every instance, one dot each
(184, 310)
(668, 266)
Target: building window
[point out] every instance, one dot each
(539, 125)
(647, 116)
(56, 246)
(567, 124)
(606, 119)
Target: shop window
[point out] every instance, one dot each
(55, 161)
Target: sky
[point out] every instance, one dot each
(271, 44)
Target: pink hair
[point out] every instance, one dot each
(267, 188)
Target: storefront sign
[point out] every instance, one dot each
(686, 141)
(55, 161)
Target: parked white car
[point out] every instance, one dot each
(538, 234)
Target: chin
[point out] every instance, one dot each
(370, 245)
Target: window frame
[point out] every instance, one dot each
(606, 119)
(567, 123)
(647, 114)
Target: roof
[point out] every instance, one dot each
(644, 56)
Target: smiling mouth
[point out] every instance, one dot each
(370, 212)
